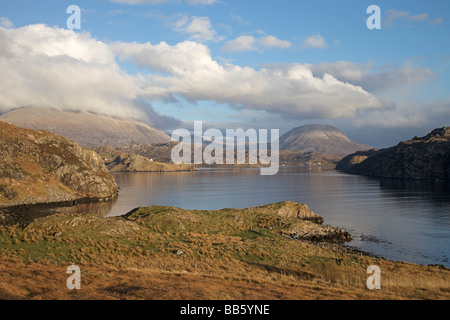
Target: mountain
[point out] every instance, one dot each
(323, 139)
(43, 167)
(87, 129)
(419, 158)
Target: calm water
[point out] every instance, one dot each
(398, 220)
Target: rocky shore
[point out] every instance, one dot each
(117, 161)
(42, 167)
(425, 157)
(160, 252)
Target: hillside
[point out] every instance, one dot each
(324, 139)
(167, 253)
(419, 158)
(162, 153)
(117, 161)
(87, 129)
(43, 167)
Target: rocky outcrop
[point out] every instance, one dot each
(419, 158)
(281, 220)
(127, 162)
(354, 159)
(43, 167)
(160, 152)
(314, 233)
(305, 224)
(117, 161)
(296, 210)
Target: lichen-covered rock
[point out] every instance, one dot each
(130, 162)
(291, 209)
(43, 167)
(309, 231)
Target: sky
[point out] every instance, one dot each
(234, 64)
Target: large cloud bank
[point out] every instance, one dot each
(54, 67)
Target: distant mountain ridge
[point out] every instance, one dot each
(324, 139)
(87, 129)
(419, 158)
(117, 161)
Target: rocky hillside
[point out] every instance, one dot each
(87, 129)
(117, 161)
(419, 158)
(324, 139)
(166, 253)
(43, 167)
(162, 153)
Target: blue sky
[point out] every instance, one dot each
(384, 86)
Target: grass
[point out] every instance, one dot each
(171, 253)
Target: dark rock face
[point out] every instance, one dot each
(42, 167)
(419, 158)
(324, 139)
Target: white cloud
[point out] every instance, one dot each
(201, 2)
(274, 42)
(292, 90)
(363, 75)
(393, 16)
(242, 43)
(139, 1)
(250, 43)
(59, 68)
(239, 19)
(191, 2)
(197, 28)
(315, 41)
(418, 17)
(53, 67)
(6, 23)
(437, 21)
(408, 115)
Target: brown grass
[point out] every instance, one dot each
(135, 257)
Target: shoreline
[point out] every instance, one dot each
(63, 203)
(412, 179)
(8, 217)
(168, 253)
(16, 213)
(343, 246)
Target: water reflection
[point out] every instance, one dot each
(436, 191)
(30, 213)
